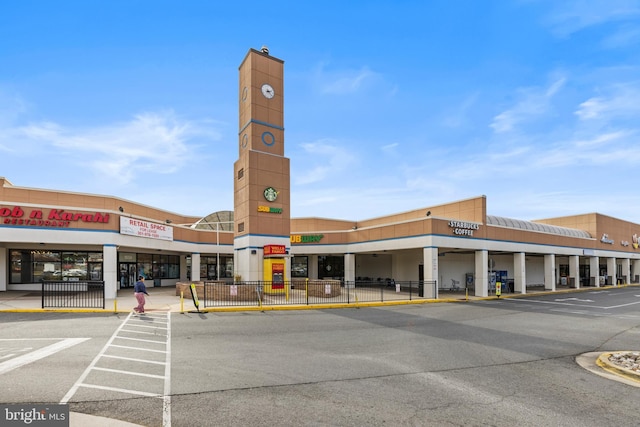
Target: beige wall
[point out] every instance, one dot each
(29, 200)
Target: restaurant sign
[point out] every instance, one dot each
(462, 228)
(306, 238)
(60, 218)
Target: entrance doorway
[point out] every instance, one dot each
(127, 274)
(585, 275)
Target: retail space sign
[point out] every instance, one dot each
(139, 228)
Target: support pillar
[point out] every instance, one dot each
(635, 271)
(183, 268)
(594, 271)
(4, 262)
(519, 273)
(350, 269)
(611, 272)
(482, 273)
(574, 271)
(313, 267)
(550, 272)
(195, 267)
(626, 271)
(430, 256)
(110, 271)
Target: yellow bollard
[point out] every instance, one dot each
(115, 305)
(181, 302)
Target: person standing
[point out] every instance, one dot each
(140, 290)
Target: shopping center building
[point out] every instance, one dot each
(57, 235)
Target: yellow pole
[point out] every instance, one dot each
(115, 305)
(181, 302)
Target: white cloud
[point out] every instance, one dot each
(571, 16)
(343, 82)
(157, 142)
(626, 36)
(621, 101)
(329, 159)
(458, 115)
(390, 149)
(532, 103)
(348, 84)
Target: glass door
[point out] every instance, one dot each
(127, 274)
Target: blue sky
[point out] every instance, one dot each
(389, 105)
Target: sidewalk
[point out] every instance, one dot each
(165, 299)
(160, 299)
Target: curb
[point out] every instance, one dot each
(604, 363)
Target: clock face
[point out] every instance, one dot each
(270, 194)
(245, 93)
(267, 91)
(268, 139)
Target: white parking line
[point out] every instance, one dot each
(41, 353)
(554, 303)
(571, 304)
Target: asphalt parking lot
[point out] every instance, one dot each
(502, 362)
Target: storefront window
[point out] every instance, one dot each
(145, 266)
(330, 267)
(17, 264)
(300, 266)
(158, 266)
(226, 270)
(74, 266)
(209, 267)
(33, 266)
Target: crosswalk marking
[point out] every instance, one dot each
(156, 324)
(141, 340)
(120, 371)
(121, 390)
(128, 347)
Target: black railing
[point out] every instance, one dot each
(302, 292)
(73, 294)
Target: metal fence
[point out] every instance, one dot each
(67, 294)
(259, 293)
